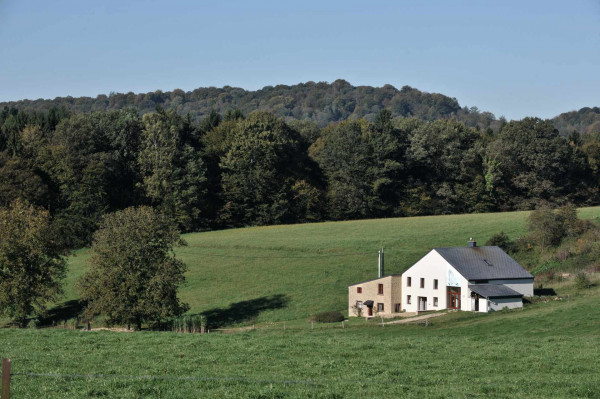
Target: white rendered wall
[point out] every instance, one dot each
(522, 286)
(483, 305)
(501, 303)
(433, 266)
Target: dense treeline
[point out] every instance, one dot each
(234, 170)
(585, 121)
(321, 103)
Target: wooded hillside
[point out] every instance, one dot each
(319, 102)
(234, 169)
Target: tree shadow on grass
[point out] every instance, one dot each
(61, 313)
(243, 311)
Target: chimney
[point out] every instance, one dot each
(380, 263)
(472, 243)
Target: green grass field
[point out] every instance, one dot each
(279, 273)
(546, 350)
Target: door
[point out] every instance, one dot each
(422, 303)
(370, 310)
(453, 297)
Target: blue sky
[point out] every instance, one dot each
(513, 58)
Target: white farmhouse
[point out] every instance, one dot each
(473, 278)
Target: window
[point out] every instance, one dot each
(380, 307)
(422, 283)
(408, 281)
(435, 284)
(397, 308)
(408, 299)
(359, 304)
(380, 289)
(435, 301)
(359, 290)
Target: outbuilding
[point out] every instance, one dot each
(378, 297)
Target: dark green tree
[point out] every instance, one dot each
(259, 173)
(446, 167)
(529, 162)
(79, 163)
(173, 173)
(344, 153)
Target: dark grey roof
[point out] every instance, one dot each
(483, 263)
(494, 291)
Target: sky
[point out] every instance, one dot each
(512, 58)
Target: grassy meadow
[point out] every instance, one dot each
(549, 350)
(277, 276)
(277, 273)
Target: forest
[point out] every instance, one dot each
(233, 169)
(320, 102)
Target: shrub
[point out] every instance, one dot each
(328, 317)
(503, 241)
(582, 281)
(562, 254)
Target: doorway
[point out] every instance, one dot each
(475, 303)
(422, 303)
(453, 297)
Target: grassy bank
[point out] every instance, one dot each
(279, 273)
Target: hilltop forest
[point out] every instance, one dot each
(235, 169)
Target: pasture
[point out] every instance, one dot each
(544, 350)
(290, 272)
(276, 277)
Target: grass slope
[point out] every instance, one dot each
(290, 272)
(544, 350)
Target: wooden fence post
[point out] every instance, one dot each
(5, 379)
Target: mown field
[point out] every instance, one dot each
(545, 350)
(280, 273)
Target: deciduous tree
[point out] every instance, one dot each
(134, 275)
(31, 267)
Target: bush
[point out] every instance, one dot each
(562, 254)
(501, 240)
(582, 281)
(328, 317)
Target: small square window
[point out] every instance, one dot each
(359, 304)
(435, 301)
(359, 290)
(380, 307)
(408, 281)
(397, 308)
(380, 289)
(435, 284)
(408, 299)
(422, 283)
